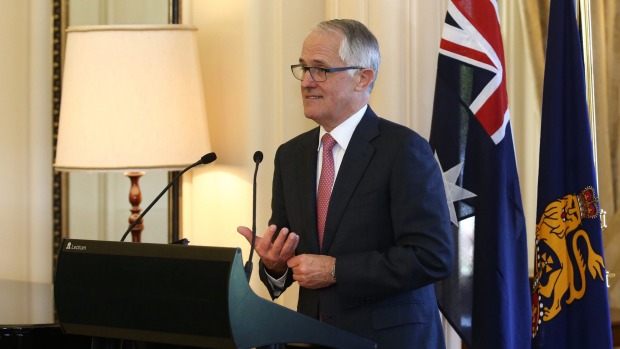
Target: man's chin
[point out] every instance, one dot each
(310, 115)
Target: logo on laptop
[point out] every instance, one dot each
(70, 246)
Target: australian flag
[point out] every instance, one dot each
(570, 306)
(487, 299)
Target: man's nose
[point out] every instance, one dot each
(307, 80)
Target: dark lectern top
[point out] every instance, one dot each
(175, 294)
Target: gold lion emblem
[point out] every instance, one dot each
(555, 271)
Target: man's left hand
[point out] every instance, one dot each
(313, 271)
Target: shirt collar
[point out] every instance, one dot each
(343, 132)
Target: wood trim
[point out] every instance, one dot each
(59, 181)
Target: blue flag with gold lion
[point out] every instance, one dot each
(570, 306)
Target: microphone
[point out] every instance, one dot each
(258, 157)
(204, 160)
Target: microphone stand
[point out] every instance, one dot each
(206, 159)
(258, 158)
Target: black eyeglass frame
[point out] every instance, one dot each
(324, 70)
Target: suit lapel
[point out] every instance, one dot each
(356, 159)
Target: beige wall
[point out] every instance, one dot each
(25, 148)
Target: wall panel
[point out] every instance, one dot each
(15, 139)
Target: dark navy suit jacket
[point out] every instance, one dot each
(388, 226)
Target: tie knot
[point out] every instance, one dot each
(328, 142)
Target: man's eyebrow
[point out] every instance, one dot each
(315, 63)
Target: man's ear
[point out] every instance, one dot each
(366, 77)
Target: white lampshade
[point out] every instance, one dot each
(132, 99)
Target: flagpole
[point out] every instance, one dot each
(585, 26)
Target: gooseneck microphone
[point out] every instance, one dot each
(258, 157)
(204, 160)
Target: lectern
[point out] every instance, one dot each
(174, 294)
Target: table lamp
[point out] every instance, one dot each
(132, 101)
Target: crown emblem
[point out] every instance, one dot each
(588, 203)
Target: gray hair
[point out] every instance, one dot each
(359, 46)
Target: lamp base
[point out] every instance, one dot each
(135, 198)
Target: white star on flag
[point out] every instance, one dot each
(454, 193)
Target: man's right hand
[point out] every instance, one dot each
(273, 254)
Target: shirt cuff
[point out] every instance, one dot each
(277, 284)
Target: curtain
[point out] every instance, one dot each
(606, 42)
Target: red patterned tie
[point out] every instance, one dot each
(325, 184)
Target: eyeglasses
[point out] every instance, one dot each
(317, 74)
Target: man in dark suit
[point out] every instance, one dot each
(368, 264)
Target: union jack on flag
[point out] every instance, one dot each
(486, 299)
(471, 35)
